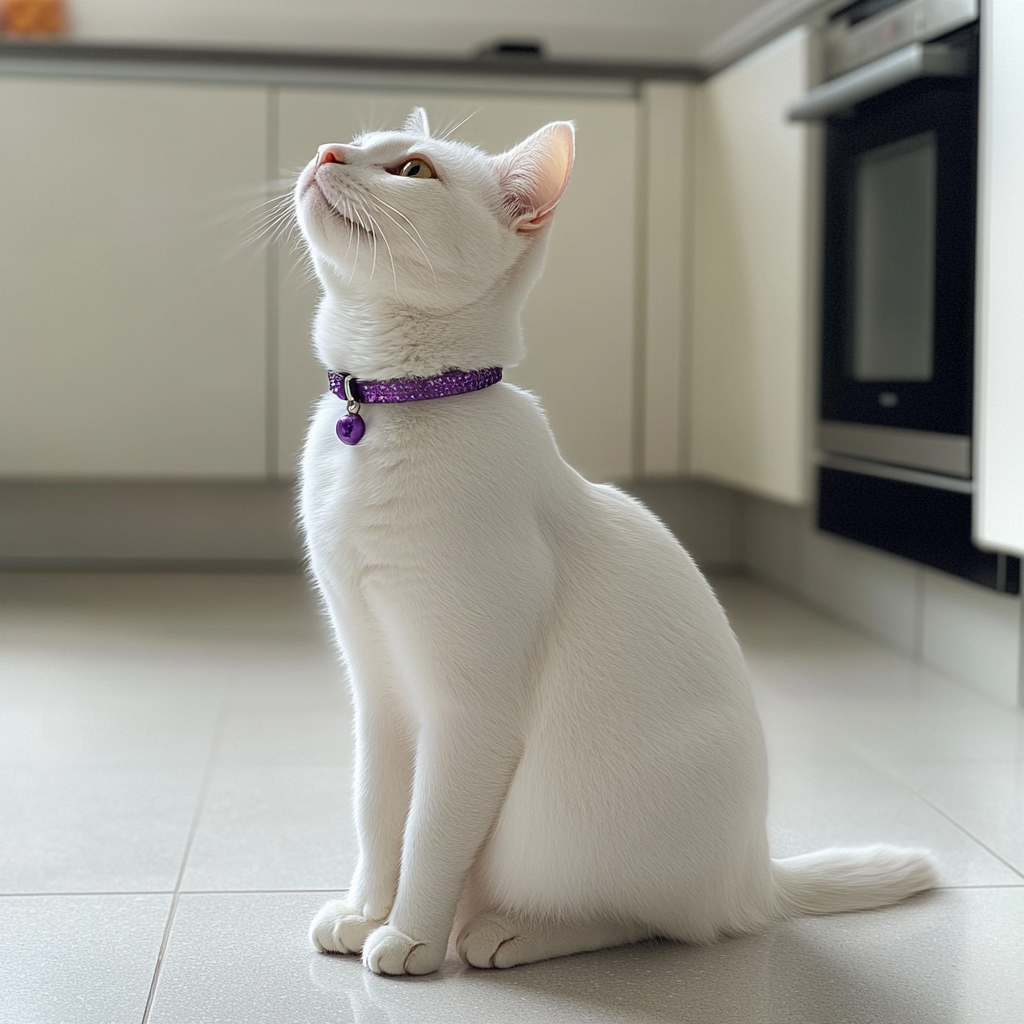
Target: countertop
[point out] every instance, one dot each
(66, 55)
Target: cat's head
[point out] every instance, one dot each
(431, 223)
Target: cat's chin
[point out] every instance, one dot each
(318, 205)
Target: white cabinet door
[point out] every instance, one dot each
(132, 317)
(750, 336)
(999, 411)
(580, 319)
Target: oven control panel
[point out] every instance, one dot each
(869, 29)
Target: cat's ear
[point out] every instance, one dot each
(416, 123)
(533, 176)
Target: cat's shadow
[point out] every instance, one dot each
(851, 971)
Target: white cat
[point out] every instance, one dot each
(556, 744)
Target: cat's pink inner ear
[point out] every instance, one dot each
(416, 123)
(534, 174)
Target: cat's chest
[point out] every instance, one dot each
(357, 497)
(418, 481)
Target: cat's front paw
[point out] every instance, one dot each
(340, 928)
(389, 951)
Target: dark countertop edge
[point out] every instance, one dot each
(323, 60)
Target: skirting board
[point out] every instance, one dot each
(252, 526)
(62, 524)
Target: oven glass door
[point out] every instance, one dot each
(898, 310)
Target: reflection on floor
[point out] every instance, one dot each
(174, 765)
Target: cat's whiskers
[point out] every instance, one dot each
(274, 216)
(275, 219)
(417, 239)
(384, 239)
(348, 244)
(451, 131)
(355, 261)
(358, 212)
(353, 212)
(280, 223)
(393, 209)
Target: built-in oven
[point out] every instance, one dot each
(900, 108)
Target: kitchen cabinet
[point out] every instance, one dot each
(146, 336)
(580, 320)
(999, 395)
(132, 321)
(667, 261)
(752, 197)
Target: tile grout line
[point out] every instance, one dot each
(89, 892)
(204, 787)
(159, 892)
(885, 770)
(253, 892)
(1000, 885)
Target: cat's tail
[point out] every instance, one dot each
(835, 880)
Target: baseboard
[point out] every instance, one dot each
(212, 526)
(203, 526)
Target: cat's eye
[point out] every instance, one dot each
(417, 167)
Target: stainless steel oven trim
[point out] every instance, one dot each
(949, 454)
(918, 60)
(906, 476)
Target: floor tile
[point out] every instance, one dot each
(293, 676)
(851, 804)
(94, 830)
(792, 735)
(944, 959)
(985, 798)
(274, 827)
(926, 717)
(310, 735)
(43, 674)
(76, 734)
(935, 731)
(78, 959)
(873, 700)
(115, 691)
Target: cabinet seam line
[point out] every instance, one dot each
(272, 456)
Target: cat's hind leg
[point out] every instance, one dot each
(342, 927)
(495, 939)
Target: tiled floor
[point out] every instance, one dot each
(174, 757)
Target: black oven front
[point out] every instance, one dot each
(897, 328)
(898, 310)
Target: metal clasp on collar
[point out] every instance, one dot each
(351, 402)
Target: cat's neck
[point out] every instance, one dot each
(381, 340)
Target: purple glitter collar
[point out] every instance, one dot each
(352, 392)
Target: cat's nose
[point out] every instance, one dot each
(331, 153)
